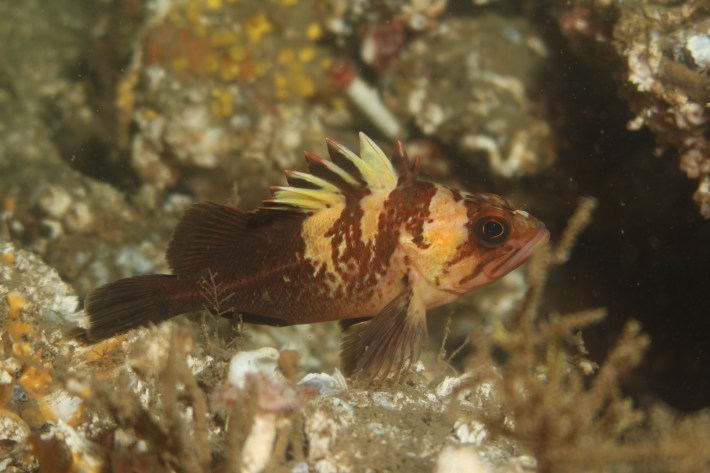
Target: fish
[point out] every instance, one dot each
(358, 239)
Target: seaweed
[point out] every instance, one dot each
(217, 305)
(158, 417)
(568, 412)
(169, 431)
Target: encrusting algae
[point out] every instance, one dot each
(360, 240)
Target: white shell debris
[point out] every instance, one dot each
(326, 384)
(63, 405)
(471, 432)
(459, 460)
(368, 101)
(55, 201)
(449, 384)
(263, 360)
(276, 397)
(259, 444)
(699, 48)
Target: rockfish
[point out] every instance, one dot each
(358, 239)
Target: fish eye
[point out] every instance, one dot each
(492, 230)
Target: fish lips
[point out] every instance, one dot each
(496, 271)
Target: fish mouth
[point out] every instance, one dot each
(519, 256)
(493, 272)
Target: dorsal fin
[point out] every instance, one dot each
(346, 176)
(408, 173)
(209, 232)
(204, 233)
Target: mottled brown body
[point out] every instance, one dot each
(359, 238)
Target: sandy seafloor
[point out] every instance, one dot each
(117, 115)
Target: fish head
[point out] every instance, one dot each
(469, 241)
(500, 238)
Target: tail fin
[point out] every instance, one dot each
(128, 303)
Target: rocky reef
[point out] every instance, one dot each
(658, 51)
(116, 115)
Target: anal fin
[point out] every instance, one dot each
(389, 343)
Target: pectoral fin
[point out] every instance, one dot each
(390, 342)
